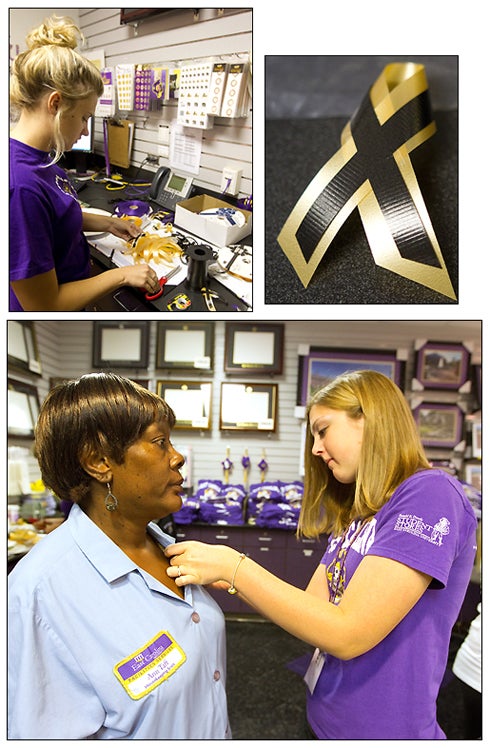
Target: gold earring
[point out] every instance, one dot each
(110, 501)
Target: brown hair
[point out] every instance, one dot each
(52, 62)
(391, 451)
(96, 412)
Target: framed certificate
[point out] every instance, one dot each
(248, 407)
(254, 348)
(120, 345)
(185, 345)
(22, 408)
(190, 401)
(22, 347)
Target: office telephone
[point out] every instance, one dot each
(168, 188)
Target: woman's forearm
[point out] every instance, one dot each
(314, 621)
(95, 222)
(379, 595)
(79, 294)
(302, 614)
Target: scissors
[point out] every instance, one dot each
(209, 297)
(162, 282)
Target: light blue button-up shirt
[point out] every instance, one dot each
(98, 648)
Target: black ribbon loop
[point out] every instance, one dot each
(373, 172)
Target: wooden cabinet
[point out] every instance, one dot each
(280, 551)
(302, 558)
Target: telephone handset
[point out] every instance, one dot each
(169, 188)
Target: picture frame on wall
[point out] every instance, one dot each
(22, 350)
(254, 348)
(443, 366)
(190, 401)
(476, 439)
(22, 408)
(439, 424)
(321, 365)
(117, 345)
(473, 474)
(248, 407)
(185, 345)
(476, 377)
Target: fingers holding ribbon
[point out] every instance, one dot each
(176, 570)
(192, 562)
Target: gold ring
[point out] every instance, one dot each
(179, 573)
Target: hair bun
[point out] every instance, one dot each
(56, 31)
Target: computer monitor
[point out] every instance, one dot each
(83, 148)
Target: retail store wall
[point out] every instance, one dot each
(180, 36)
(177, 37)
(65, 350)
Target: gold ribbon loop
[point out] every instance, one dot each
(148, 247)
(372, 171)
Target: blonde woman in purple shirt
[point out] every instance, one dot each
(380, 607)
(53, 94)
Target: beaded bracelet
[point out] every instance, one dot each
(232, 590)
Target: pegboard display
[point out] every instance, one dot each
(195, 81)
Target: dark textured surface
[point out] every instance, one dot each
(347, 274)
(312, 86)
(266, 699)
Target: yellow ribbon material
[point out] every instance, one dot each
(157, 248)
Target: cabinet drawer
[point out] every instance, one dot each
(307, 545)
(302, 557)
(271, 558)
(223, 535)
(187, 532)
(265, 538)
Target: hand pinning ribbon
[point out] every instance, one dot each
(372, 171)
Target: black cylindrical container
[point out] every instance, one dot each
(198, 256)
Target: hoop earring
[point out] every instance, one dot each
(110, 501)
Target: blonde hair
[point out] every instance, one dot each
(391, 451)
(52, 62)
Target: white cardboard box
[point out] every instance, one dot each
(187, 217)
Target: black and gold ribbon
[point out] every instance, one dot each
(372, 171)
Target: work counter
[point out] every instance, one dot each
(206, 278)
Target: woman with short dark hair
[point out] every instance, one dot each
(102, 643)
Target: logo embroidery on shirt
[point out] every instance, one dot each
(416, 526)
(65, 186)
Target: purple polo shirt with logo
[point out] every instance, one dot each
(45, 221)
(391, 691)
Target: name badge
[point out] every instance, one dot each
(314, 669)
(149, 666)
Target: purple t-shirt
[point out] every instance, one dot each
(390, 692)
(45, 221)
